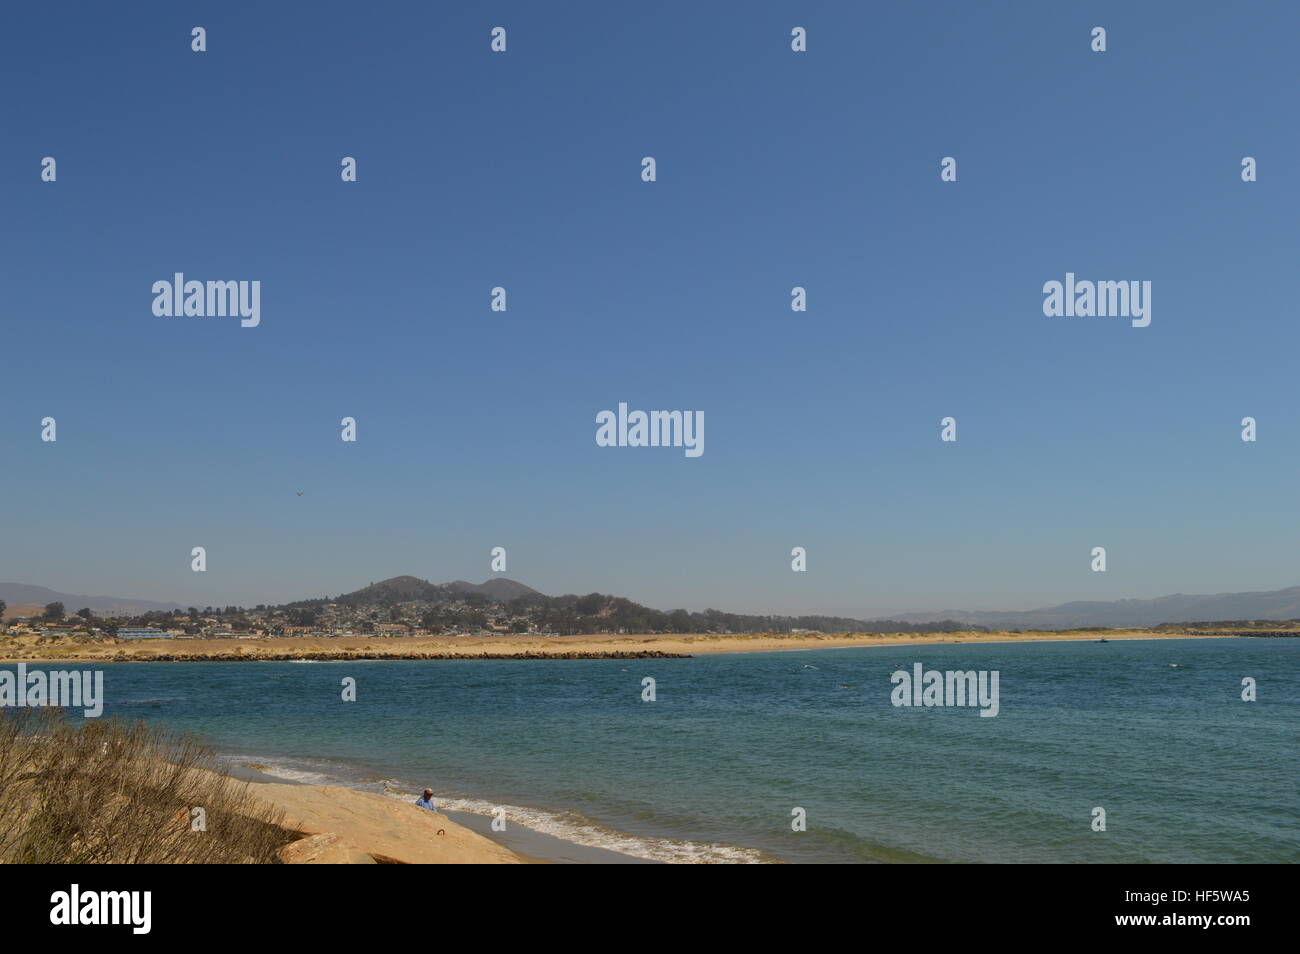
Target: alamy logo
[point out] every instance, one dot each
(60, 688)
(179, 298)
(1085, 299)
(951, 688)
(103, 907)
(653, 429)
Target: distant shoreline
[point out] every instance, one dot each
(523, 647)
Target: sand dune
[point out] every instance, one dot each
(345, 826)
(470, 647)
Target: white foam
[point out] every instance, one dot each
(568, 826)
(281, 769)
(572, 827)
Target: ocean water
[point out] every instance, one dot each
(1154, 732)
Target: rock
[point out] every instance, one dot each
(326, 848)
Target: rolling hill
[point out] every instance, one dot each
(18, 595)
(1178, 608)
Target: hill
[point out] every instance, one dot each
(408, 589)
(1258, 605)
(18, 595)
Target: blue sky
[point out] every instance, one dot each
(775, 169)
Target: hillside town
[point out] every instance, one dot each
(328, 619)
(409, 606)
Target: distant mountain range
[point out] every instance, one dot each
(1119, 614)
(18, 595)
(1180, 608)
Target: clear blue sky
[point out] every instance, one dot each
(775, 169)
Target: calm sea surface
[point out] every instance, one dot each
(1185, 770)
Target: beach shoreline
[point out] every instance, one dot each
(534, 846)
(524, 647)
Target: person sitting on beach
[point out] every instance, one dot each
(426, 800)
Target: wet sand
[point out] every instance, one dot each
(532, 846)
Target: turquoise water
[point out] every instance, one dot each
(711, 770)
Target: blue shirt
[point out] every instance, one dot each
(426, 803)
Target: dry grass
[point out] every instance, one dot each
(112, 792)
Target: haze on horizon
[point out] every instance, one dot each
(1252, 602)
(476, 429)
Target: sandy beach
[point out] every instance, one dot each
(342, 824)
(282, 648)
